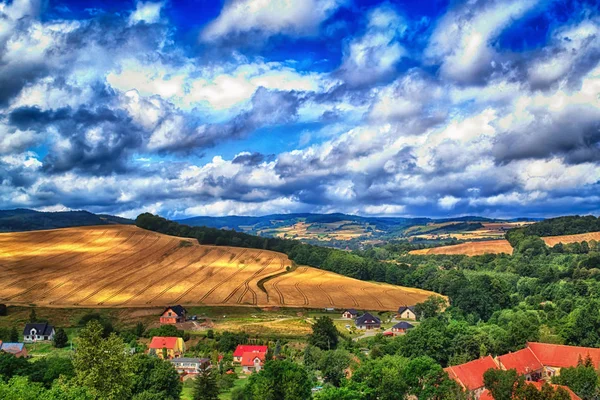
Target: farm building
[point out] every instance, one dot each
(486, 395)
(16, 349)
(407, 312)
(252, 362)
(401, 328)
(367, 322)
(537, 362)
(173, 347)
(187, 366)
(243, 348)
(350, 314)
(38, 332)
(173, 315)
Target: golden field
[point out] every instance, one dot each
(125, 266)
(502, 246)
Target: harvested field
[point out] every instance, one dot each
(502, 246)
(124, 266)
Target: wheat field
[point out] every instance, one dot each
(125, 266)
(502, 246)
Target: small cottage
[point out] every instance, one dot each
(174, 347)
(241, 349)
(38, 332)
(253, 362)
(16, 349)
(350, 314)
(407, 312)
(187, 366)
(401, 328)
(173, 315)
(367, 322)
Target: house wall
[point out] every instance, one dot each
(407, 314)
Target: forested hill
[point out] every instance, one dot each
(31, 220)
(570, 225)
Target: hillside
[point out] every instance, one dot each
(30, 220)
(119, 265)
(502, 246)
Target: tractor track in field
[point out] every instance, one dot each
(45, 238)
(247, 284)
(364, 290)
(354, 302)
(232, 293)
(45, 294)
(320, 286)
(187, 277)
(188, 291)
(120, 266)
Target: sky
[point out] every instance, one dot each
(251, 107)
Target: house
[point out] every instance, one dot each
(186, 366)
(367, 322)
(16, 349)
(174, 347)
(470, 375)
(350, 314)
(252, 362)
(242, 348)
(37, 332)
(173, 315)
(556, 356)
(486, 395)
(524, 362)
(407, 312)
(401, 328)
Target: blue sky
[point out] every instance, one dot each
(250, 107)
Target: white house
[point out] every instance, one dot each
(38, 332)
(407, 312)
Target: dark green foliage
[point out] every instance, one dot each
(14, 334)
(107, 326)
(324, 334)
(152, 375)
(430, 307)
(205, 386)
(32, 315)
(11, 366)
(166, 330)
(3, 310)
(60, 338)
(583, 380)
(228, 341)
(30, 220)
(333, 366)
(139, 330)
(564, 226)
(278, 380)
(506, 385)
(47, 369)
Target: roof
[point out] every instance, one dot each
(241, 349)
(179, 310)
(351, 311)
(524, 361)
(190, 360)
(367, 319)
(561, 356)
(12, 347)
(486, 395)
(42, 328)
(403, 325)
(470, 375)
(159, 342)
(404, 308)
(249, 357)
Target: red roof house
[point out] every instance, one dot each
(486, 395)
(174, 346)
(242, 348)
(470, 375)
(561, 356)
(252, 362)
(524, 362)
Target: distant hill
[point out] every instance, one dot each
(569, 225)
(31, 220)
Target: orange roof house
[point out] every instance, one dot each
(173, 315)
(242, 348)
(524, 362)
(175, 347)
(470, 375)
(486, 395)
(562, 356)
(253, 362)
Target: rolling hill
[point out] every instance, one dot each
(123, 266)
(30, 220)
(502, 246)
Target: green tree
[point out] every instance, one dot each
(48, 369)
(11, 365)
(430, 307)
(3, 310)
(103, 365)
(501, 384)
(153, 375)
(324, 334)
(333, 366)
(278, 380)
(582, 379)
(60, 338)
(14, 335)
(205, 386)
(32, 315)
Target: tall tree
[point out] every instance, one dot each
(32, 315)
(60, 338)
(103, 365)
(324, 334)
(14, 335)
(205, 385)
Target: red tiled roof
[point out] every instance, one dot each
(486, 395)
(470, 375)
(524, 361)
(159, 342)
(249, 357)
(241, 349)
(561, 356)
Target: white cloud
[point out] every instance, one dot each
(265, 18)
(448, 202)
(148, 12)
